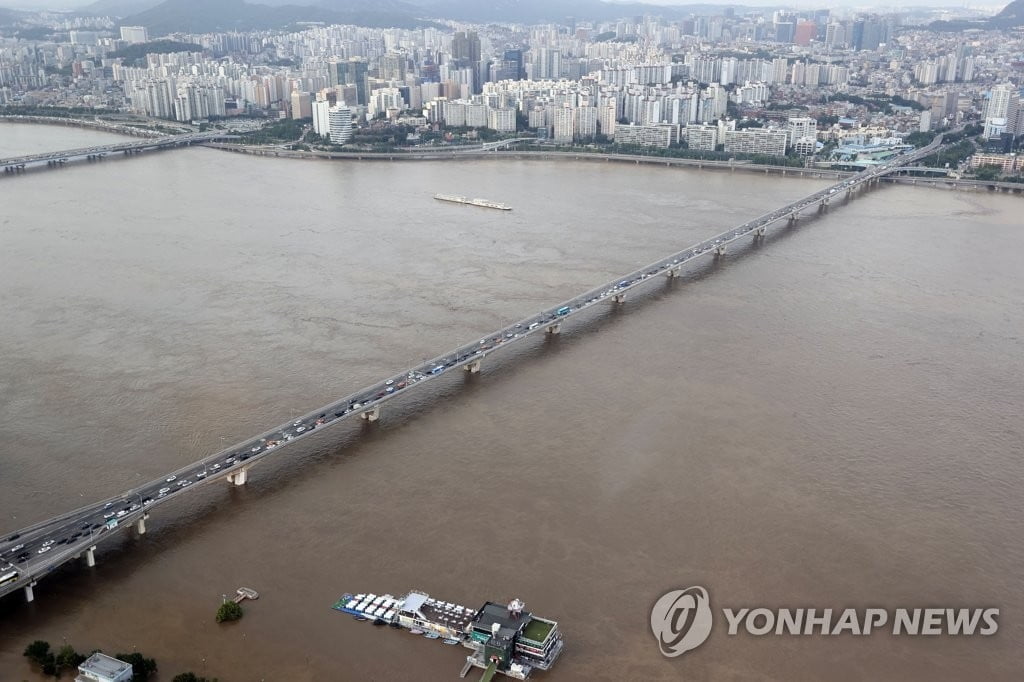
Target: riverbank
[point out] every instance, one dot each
(94, 124)
(636, 159)
(448, 155)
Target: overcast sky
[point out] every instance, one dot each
(880, 5)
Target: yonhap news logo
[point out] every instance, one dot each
(681, 621)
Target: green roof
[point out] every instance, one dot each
(537, 630)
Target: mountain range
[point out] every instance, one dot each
(172, 16)
(1011, 16)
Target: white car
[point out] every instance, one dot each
(170, 478)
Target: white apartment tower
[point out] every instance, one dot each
(340, 118)
(564, 124)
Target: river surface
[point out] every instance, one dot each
(829, 419)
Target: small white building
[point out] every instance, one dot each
(102, 668)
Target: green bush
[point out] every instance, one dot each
(229, 610)
(142, 667)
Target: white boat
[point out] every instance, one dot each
(484, 203)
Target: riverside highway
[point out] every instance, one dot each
(28, 554)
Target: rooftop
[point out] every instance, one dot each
(537, 630)
(101, 664)
(492, 613)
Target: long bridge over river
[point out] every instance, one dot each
(29, 554)
(19, 164)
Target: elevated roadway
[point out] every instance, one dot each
(18, 164)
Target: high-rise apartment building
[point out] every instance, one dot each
(1001, 110)
(321, 117)
(134, 34)
(340, 119)
(564, 124)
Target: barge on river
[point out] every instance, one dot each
(504, 639)
(472, 202)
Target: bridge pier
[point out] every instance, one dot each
(141, 525)
(371, 415)
(90, 556)
(30, 596)
(555, 328)
(761, 231)
(239, 477)
(472, 367)
(619, 298)
(720, 250)
(672, 273)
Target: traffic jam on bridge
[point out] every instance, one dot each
(31, 552)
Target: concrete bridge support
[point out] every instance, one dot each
(141, 525)
(472, 367)
(760, 232)
(554, 329)
(619, 298)
(672, 273)
(240, 477)
(371, 415)
(30, 595)
(90, 556)
(719, 250)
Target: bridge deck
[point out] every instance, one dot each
(148, 143)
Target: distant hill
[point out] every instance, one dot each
(197, 16)
(118, 8)
(204, 16)
(8, 15)
(135, 55)
(535, 11)
(1012, 16)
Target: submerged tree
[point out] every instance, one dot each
(229, 610)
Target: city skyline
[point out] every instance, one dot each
(859, 5)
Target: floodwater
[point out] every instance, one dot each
(829, 419)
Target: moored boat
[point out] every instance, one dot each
(506, 637)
